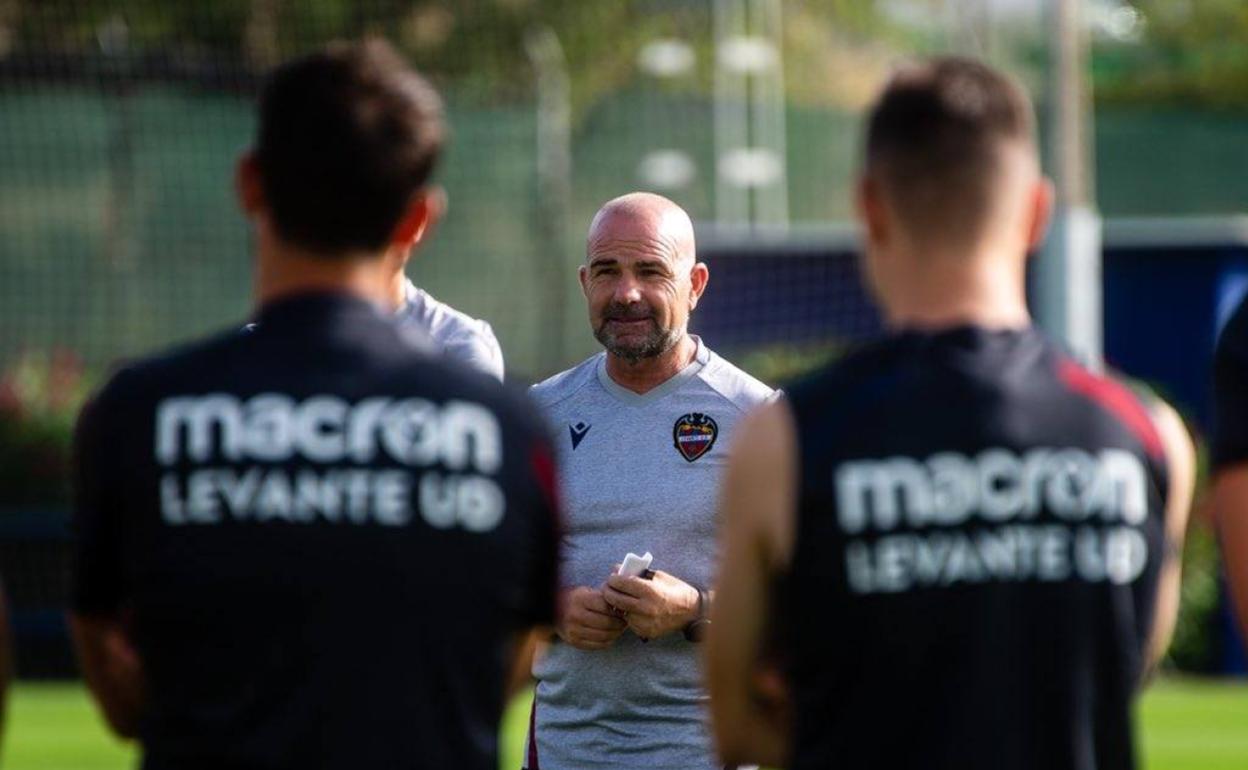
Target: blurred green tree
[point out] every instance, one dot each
(1190, 53)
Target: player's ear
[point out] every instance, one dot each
(1041, 212)
(247, 184)
(872, 213)
(436, 195)
(699, 276)
(423, 211)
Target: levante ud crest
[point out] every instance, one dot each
(694, 435)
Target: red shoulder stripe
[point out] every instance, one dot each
(543, 469)
(543, 466)
(1116, 398)
(531, 762)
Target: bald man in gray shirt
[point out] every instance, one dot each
(641, 430)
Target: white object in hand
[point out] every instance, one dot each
(634, 565)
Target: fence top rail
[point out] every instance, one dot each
(1164, 232)
(1117, 233)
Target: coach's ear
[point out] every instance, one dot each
(699, 276)
(248, 186)
(423, 212)
(582, 274)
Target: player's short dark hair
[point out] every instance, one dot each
(935, 139)
(347, 135)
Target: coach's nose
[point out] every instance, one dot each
(627, 290)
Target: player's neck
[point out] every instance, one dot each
(283, 270)
(397, 291)
(649, 373)
(940, 294)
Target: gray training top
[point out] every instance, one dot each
(638, 473)
(458, 335)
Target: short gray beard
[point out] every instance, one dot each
(655, 344)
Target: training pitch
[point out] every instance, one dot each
(1185, 723)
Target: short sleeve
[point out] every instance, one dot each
(97, 582)
(1230, 387)
(477, 347)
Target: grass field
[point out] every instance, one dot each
(1185, 724)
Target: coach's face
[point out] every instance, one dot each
(641, 281)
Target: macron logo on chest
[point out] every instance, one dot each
(577, 432)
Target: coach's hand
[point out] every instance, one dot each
(586, 621)
(655, 607)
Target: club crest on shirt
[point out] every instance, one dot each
(694, 435)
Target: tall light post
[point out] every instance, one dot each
(751, 183)
(1068, 285)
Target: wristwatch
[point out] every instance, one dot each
(696, 630)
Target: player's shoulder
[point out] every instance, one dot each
(733, 384)
(1097, 403)
(173, 367)
(135, 385)
(447, 323)
(1114, 398)
(479, 349)
(565, 384)
(455, 332)
(860, 367)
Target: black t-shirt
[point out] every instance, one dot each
(1230, 387)
(979, 532)
(323, 539)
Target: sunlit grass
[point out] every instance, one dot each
(1184, 723)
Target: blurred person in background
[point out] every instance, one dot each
(454, 333)
(317, 544)
(640, 430)
(1229, 457)
(451, 332)
(962, 544)
(448, 331)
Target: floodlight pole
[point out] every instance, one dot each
(731, 116)
(554, 183)
(749, 114)
(1068, 273)
(767, 114)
